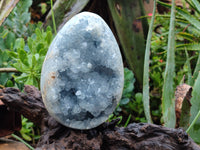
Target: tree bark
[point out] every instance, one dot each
(104, 137)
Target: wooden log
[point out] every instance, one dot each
(107, 136)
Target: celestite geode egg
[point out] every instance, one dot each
(82, 76)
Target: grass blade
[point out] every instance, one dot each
(168, 99)
(187, 36)
(128, 120)
(189, 46)
(53, 19)
(146, 69)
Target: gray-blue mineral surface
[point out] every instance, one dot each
(82, 76)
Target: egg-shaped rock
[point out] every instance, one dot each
(82, 75)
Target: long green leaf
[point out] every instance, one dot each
(194, 129)
(6, 6)
(23, 56)
(146, 69)
(168, 99)
(130, 31)
(189, 46)
(188, 36)
(53, 18)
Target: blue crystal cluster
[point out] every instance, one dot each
(82, 75)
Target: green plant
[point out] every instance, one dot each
(188, 37)
(16, 25)
(127, 94)
(146, 69)
(28, 58)
(168, 104)
(185, 60)
(5, 77)
(183, 68)
(113, 117)
(137, 108)
(129, 81)
(27, 131)
(7, 40)
(19, 18)
(130, 106)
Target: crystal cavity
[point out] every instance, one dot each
(82, 75)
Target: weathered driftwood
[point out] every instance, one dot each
(107, 136)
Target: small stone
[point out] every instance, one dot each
(82, 76)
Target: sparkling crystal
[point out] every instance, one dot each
(82, 75)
